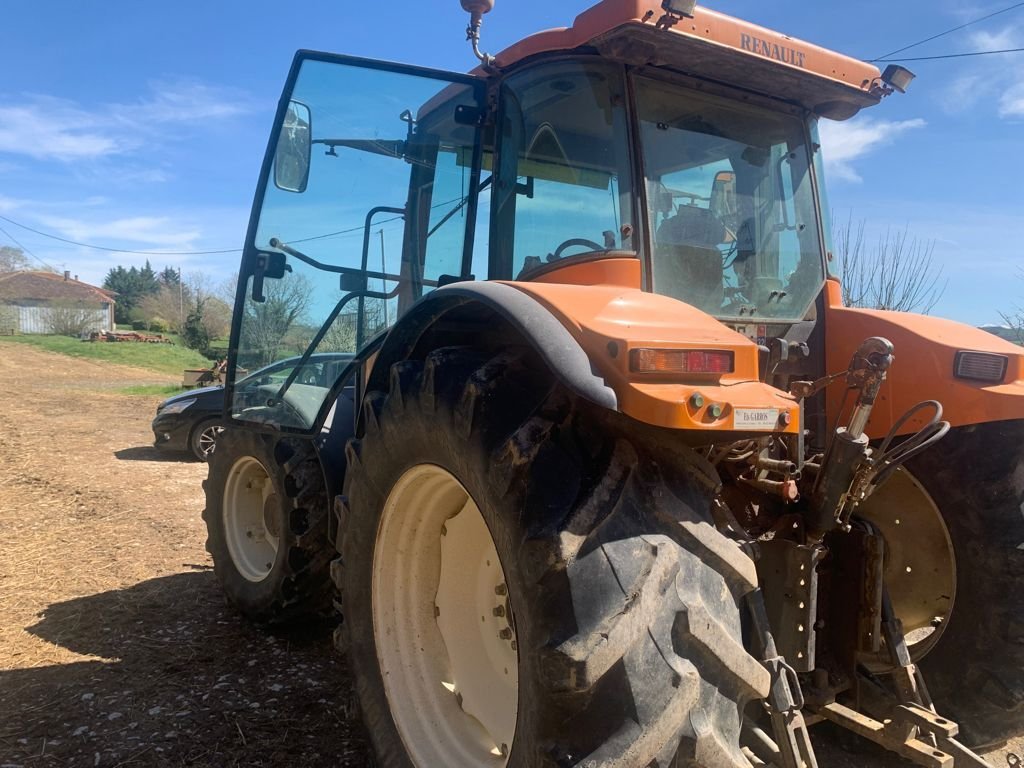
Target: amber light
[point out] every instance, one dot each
(981, 366)
(681, 361)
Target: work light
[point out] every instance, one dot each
(897, 77)
(679, 8)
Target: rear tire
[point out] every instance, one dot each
(266, 520)
(976, 671)
(624, 595)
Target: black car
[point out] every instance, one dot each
(191, 421)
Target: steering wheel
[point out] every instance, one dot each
(572, 243)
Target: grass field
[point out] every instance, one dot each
(165, 359)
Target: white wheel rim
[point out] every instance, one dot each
(248, 498)
(442, 625)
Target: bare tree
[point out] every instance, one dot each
(169, 305)
(12, 259)
(1014, 320)
(69, 319)
(267, 325)
(899, 274)
(8, 319)
(174, 303)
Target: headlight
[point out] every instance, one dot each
(176, 407)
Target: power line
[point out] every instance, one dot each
(947, 32)
(108, 249)
(116, 250)
(24, 249)
(955, 55)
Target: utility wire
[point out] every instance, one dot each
(24, 249)
(947, 32)
(954, 55)
(115, 250)
(108, 249)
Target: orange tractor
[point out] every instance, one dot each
(612, 478)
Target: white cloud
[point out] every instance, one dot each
(47, 128)
(188, 101)
(155, 232)
(845, 143)
(990, 80)
(1011, 103)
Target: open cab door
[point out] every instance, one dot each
(367, 201)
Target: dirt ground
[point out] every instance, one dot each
(116, 646)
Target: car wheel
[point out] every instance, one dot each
(204, 438)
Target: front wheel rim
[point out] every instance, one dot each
(249, 500)
(207, 440)
(443, 625)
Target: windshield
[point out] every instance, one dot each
(731, 201)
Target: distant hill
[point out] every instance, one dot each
(1010, 334)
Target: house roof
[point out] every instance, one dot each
(48, 286)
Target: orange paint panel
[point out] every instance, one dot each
(610, 321)
(706, 25)
(926, 349)
(623, 272)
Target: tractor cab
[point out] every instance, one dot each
(588, 153)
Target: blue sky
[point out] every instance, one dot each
(142, 125)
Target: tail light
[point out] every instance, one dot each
(980, 366)
(681, 361)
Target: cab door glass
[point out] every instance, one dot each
(366, 204)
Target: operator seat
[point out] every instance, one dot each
(688, 263)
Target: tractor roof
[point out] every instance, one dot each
(714, 46)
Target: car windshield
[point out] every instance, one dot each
(732, 211)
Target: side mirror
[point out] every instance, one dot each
(292, 160)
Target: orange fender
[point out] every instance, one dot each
(610, 321)
(926, 349)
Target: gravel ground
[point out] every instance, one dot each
(116, 646)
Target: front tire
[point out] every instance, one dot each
(621, 598)
(203, 440)
(266, 522)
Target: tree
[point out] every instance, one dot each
(69, 319)
(266, 325)
(12, 259)
(170, 277)
(900, 274)
(1014, 320)
(194, 334)
(170, 304)
(132, 286)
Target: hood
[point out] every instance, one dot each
(191, 395)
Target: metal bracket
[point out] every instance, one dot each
(911, 731)
(910, 727)
(792, 746)
(789, 573)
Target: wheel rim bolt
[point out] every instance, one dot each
(505, 634)
(501, 590)
(499, 611)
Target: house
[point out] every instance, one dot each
(47, 302)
